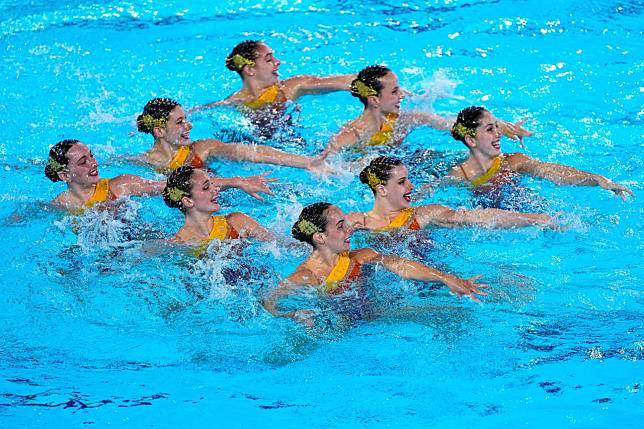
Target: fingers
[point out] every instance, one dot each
(256, 196)
(522, 121)
(475, 278)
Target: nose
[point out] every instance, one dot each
(188, 125)
(277, 63)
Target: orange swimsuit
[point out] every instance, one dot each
(269, 96)
(180, 158)
(386, 132)
(340, 277)
(406, 219)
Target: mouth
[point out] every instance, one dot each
(407, 197)
(496, 144)
(93, 172)
(186, 135)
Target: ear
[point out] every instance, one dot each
(470, 141)
(380, 190)
(64, 176)
(373, 100)
(248, 70)
(187, 202)
(158, 132)
(318, 238)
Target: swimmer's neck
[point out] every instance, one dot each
(478, 163)
(383, 211)
(323, 258)
(163, 150)
(198, 224)
(373, 118)
(255, 88)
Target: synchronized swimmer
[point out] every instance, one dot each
(332, 267)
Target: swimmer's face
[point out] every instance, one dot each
(488, 138)
(82, 167)
(203, 194)
(266, 65)
(338, 231)
(398, 188)
(390, 95)
(177, 128)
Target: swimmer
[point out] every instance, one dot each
(166, 121)
(388, 179)
(72, 162)
(332, 266)
(257, 66)
(382, 122)
(487, 166)
(192, 191)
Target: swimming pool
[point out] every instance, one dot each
(97, 332)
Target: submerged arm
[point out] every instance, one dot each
(286, 288)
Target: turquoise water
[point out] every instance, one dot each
(97, 329)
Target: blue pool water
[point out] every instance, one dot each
(98, 329)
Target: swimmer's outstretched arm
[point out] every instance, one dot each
(563, 174)
(301, 85)
(252, 185)
(436, 214)
(255, 153)
(249, 227)
(412, 270)
(131, 185)
(417, 118)
(224, 102)
(288, 287)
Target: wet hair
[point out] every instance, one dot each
(155, 114)
(467, 122)
(378, 171)
(369, 77)
(178, 186)
(247, 50)
(312, 219)
(58, 160)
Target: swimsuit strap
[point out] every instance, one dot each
(179, 158)
(219, 229)
(269, 95)
(196, 161)
(101, 193)
(483, 178)
(386, 132)
(338, 273)
(400, 220)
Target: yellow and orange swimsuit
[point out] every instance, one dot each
(101, 194)
(221, 230)
(405, 219)
(270, 95)
(343, 273)
(386, 132)
(489, 174)
(180, 158)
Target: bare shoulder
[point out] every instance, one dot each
(364, 255)
(239, 220)
(456, 174)
(516, 159)
(302, 277)
(60, 201)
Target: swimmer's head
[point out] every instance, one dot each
(467, 121)
(368, 82)
(58, 160)
(242, 55)
(178, 186)
(379, 171)
(155, 114)
(312, 220)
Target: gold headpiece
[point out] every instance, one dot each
(373, 180)
(55, 165)
(362, 89)
(151, 122)
(175, 194)
(240, 62)
(307, 227)
(463, 131)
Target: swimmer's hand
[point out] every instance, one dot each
(617, 189)
(319, 167)
(303, 317)
(466, 287)
(254, 185)
(514, 131)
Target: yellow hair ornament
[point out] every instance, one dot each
(175, 194)
(463, 131)
(307, 227)
(55, 165)
(362, 89)
(373, 180)
(240, 62)
(152, 123)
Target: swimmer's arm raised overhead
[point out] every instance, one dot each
(436, 214)
(297, 280)
(252, 185)
(563, 174)
(254, 153)
(249, 227)
(412, 270)
(131, 185)
(298, 86)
